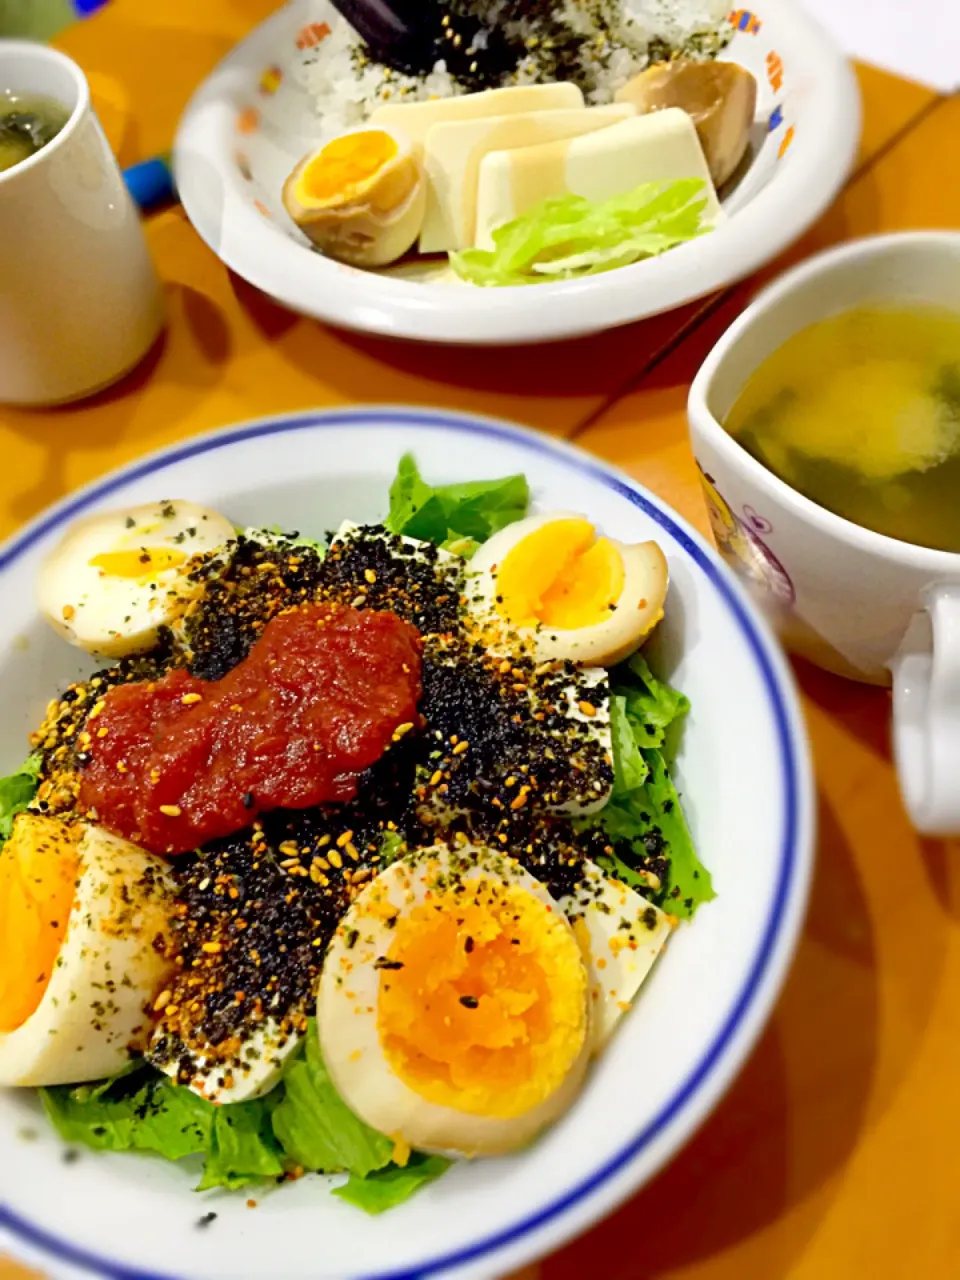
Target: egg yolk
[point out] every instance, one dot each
(482, 1003)
(344, 164)
(560, 575)
(143, 562)
(39, 865)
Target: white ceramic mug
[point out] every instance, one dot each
(853, 601)
(80, 302)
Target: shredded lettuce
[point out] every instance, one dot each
(243, 1149)
(568, 237)
(316, 1127)
(630, 770)
(386, 1188)
(96, 1090)
(16, 792)
(456, 516)
(303, 1122)
(139, 1111)
(644, 810)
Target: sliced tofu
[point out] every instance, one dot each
(253, 1070)
(584, 740)
(454, 152)
(660, 147)
(417, 118)
(620, 935)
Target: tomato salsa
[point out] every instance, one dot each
(176, 762)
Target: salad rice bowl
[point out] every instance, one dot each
(538, 812)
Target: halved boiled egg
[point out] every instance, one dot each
(80, 913)
(117, 578)
(452, 1010)
(361, 197)
(573, 595)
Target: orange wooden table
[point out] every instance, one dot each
(833, 1156)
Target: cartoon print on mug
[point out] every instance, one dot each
(739, 542)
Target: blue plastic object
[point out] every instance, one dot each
(151, 182)
(85, 7)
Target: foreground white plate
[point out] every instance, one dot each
(250, 122)
(745, 777)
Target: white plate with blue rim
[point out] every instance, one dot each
(253, 120)
(744, 774)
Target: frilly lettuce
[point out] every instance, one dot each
(568, 237)
(16, 792)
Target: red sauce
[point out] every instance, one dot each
(179, 761)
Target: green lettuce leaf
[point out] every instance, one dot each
(142, 1111)
(644, 810)
(303, 1121)
(16, 792)
(690, 883)
(97, 1089)
(568, 237)
(386, 1188)
(315, 1126)
(138, 1109)
(243, 1148)
(629, 767)
(456, 516)
(653, 706)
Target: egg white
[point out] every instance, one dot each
(347, 1020)
(621, 936)
(96, 1004)
(111, 615)
(636, 612)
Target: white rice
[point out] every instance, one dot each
(345, 90)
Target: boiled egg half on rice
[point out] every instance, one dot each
(83, 922)
(116, 579)
(361, 197)
(572, 594)
(453, 1010)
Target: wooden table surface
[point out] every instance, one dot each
(833, 1156)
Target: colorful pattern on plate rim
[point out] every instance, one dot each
(750, 24)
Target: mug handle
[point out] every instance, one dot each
(926, 713)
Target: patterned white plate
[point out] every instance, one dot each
(251, 121)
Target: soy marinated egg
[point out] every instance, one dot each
(453, 1006)
(116, 579)
(571, 594)
(84, 917)
(360, 198)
